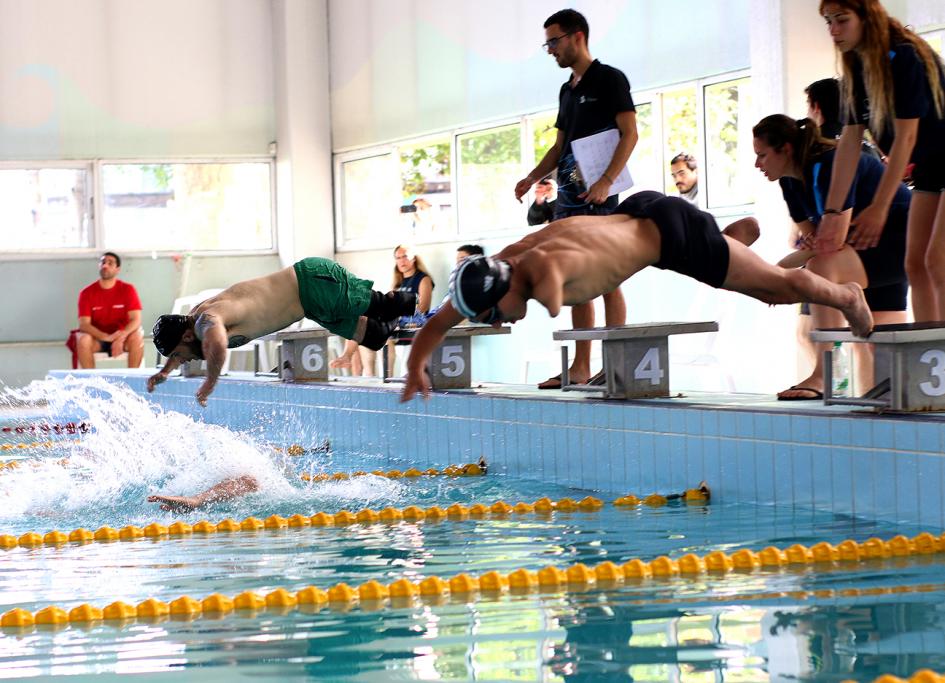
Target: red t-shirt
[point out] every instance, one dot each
(108, 308)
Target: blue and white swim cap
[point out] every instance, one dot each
(477, 284)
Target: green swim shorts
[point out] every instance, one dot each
(331, 296)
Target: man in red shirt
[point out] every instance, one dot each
(109, 316)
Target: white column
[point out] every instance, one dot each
(303, 128)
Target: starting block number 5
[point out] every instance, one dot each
(313, 358)
(936, 386)
(649, 367)
(452, 363)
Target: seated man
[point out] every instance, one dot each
(684, 170)
(575, 259)
(315, 288)
(109, 317)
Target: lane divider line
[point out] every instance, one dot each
(576, 578)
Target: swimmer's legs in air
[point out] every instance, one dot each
(390, 306)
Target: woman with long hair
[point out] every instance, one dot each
(411, 274)
(894, 85)
(796, 155)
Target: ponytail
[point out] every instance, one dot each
(804, 135)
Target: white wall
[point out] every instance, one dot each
(124, 78)
(404, 67)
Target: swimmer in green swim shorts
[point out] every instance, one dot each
(314, 288)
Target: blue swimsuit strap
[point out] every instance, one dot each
(818, 198)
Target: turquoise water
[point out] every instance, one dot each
(767, 625)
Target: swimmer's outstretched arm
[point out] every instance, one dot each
(161, 376)
(430, 336)
(225, 490)
(214, 352)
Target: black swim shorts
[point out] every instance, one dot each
(691, 242)
(929, 177)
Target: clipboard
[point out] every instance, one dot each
(593, 155)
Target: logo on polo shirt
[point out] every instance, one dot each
(585, 99)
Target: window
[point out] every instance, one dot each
(729, 153)
(426, 188)
(490, 163)
(680, 130)
(645, 159)
(370, 196)
(544, 135)
(189, 206)
(45, 208)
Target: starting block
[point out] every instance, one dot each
(304, 355)
(908, 366)
(451, 363)
(635, 357)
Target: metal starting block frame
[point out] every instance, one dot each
(451, 363)
(303, 355)
(635, 357)
(908, 366)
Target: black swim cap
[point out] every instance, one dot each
(478, 283)
(168, 330)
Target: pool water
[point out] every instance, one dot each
(818, 622)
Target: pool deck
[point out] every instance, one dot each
(749, 448)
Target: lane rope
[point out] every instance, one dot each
(576, 578)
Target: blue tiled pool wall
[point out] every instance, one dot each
(874, 467)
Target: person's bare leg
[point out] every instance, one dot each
(749, 274)
(347, 355)
(368, 361)
(935, 258)
(224, 490)
(86, 345)
(843, 266)
(582, 315)
(357, 368)
(807, 354)
(134, 345)
(745, 230)
(918, 239)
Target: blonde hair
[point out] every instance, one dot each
(418, 264)
(880, 33)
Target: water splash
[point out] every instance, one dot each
(137, 448)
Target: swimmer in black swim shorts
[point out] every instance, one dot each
(577, 259)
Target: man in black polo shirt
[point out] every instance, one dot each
(596, 98)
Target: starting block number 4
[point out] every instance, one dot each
(648, 369)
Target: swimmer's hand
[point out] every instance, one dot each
(155, 379)
(417, 380)
(341, 362)
(203, 393)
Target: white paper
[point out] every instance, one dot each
(593, 155)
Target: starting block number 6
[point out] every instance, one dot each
(649, 367)
(936, 359)
(313, 358)
(452, 363)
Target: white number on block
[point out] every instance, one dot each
(452, 361)
(935, 358)
(649, 366)
(313, 359)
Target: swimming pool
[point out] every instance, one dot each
(818, 620)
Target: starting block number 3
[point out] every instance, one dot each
(649, 367)
(935, 358)
(313, 357)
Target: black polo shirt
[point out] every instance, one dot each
(589, 107)
(912, 99)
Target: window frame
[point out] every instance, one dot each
(654, 97)
(96, 198)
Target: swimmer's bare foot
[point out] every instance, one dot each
(858, 312)
(175, 503)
